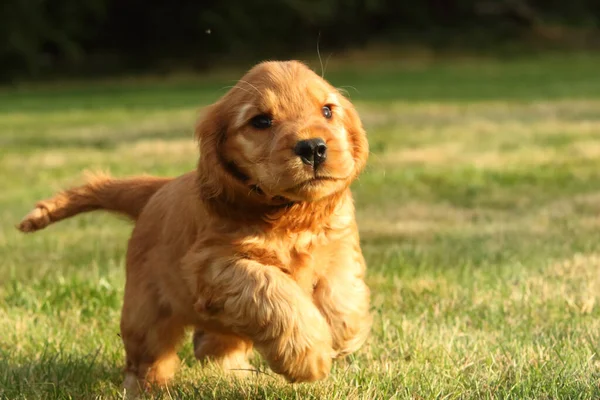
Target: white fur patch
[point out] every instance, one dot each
(332, 99)
(243, 114)
(343, 135)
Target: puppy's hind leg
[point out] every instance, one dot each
(229, 352)
(151, 337)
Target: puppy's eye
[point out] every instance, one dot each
(326, 110)
(261, 121)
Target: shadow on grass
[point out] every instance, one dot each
(57, 375)
(61, 375)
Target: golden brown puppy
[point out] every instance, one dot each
(257, 247)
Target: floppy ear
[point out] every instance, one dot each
(210, 130)
(210, 133)
(356, 134)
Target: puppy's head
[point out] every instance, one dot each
(282, 132)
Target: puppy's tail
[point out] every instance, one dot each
(101, 192)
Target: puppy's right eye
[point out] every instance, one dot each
(261, 121)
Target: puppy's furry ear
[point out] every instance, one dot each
(210, 132)
(356, 134)
(211, 125)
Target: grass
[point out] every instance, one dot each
(479, 216)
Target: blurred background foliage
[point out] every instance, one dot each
(42, 38)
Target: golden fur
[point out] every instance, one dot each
(255, 248)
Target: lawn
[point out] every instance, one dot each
(479, 215)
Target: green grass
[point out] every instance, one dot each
(479, 215)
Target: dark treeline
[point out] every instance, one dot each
(42, 37)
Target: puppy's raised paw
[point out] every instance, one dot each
(305, 356)
(312, 364)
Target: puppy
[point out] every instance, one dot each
(258, 247)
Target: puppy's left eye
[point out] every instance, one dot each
(326, 110)
(261, 121)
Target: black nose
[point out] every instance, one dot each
(312, 151)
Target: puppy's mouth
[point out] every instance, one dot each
(313, 182)
(277, 200)
(306, 185)
(280, 199)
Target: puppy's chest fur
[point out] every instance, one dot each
(305, 256)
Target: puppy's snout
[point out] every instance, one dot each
(311, 151)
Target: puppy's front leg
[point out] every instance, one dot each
(267, 306)
(343, 298)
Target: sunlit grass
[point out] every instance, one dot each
(479, 214)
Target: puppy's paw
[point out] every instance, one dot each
(37, 219)
(132, 388)
(312, 365)
(306, 354)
